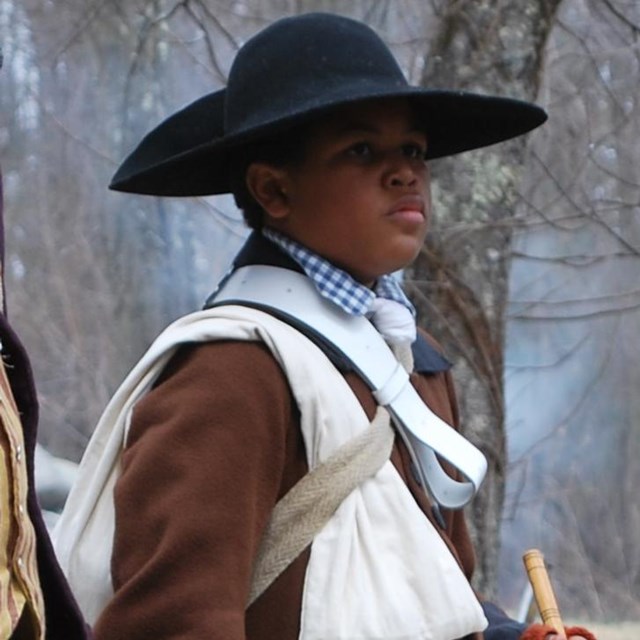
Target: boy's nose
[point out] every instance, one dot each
(402, 174)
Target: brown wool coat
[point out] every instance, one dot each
(211, 450)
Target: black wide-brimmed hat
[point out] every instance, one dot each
(296, 69)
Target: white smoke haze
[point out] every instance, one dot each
(572, 379)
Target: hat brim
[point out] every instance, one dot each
(187, 154)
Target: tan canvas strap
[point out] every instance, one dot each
(311, 503)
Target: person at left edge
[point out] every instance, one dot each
(35, 600)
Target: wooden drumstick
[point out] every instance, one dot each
(542, 589)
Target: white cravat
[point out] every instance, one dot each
(393, 321)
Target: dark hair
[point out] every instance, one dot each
(289, 149)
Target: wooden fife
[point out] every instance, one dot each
(542, 589)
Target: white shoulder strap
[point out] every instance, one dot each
(292, 295)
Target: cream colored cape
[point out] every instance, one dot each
(377, 570)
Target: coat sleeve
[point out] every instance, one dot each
(501, 626)
(201, 473)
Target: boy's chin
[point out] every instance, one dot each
(406, 255)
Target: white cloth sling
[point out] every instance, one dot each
(377, 570)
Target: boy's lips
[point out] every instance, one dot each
(408, 209)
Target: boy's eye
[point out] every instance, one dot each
(414, 151)
(360, 150)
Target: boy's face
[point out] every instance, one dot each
(361, 198)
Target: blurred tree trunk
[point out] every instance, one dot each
(459, 282)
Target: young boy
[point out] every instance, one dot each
(323, 144)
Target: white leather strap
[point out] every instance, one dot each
(425, 434)
(392, 387)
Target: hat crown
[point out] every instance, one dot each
(305, 63)
(298, 68)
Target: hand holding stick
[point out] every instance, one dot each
(542, 590)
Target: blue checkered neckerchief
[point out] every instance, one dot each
(335, 284)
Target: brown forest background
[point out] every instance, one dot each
(530, 277)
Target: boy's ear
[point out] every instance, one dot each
(267, 184)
